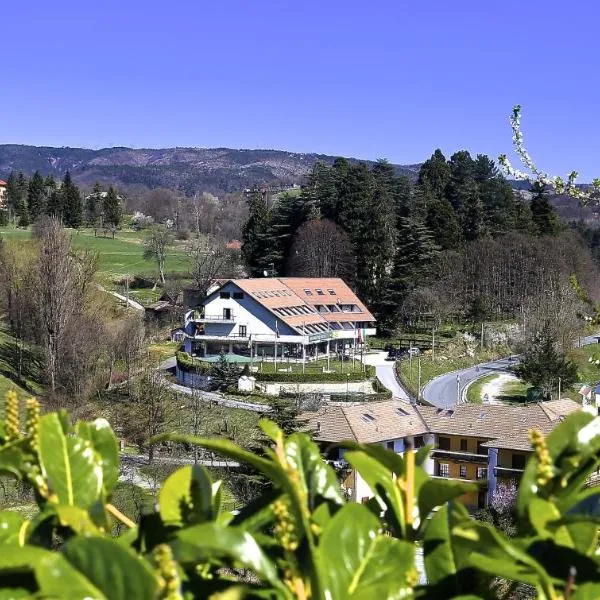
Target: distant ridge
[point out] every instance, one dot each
(190, 169)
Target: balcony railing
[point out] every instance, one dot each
(217, 318)
(507, 471)
(459, 455)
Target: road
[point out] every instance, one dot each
(386, 374)
(442, 391)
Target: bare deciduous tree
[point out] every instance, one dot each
(157, 242)
(56, 302)
(209, 262)
(322, 249)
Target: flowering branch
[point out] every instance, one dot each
(534, 175)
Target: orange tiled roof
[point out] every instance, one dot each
(3, 183)
(291, 292)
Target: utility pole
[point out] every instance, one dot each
(433, 345)
(419, 383)
(559, 385)
(482, 337)
(457, 388)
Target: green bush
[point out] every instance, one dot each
(313, 377)
(300, 538)
(186, 363)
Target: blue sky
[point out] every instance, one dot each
(370, 79)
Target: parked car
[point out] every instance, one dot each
(413, 351)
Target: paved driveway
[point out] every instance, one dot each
(386, 374)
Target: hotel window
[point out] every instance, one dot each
(308, 292)
(462, 471)
(444, 443)
(481, 449)
(419, 441)
(443, 470)
(463, 445)
(238, 295)
(225, 295)
(481, 473)
(390, 445)
(320, 292)
(243, 330)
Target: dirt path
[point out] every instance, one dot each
(493, 389)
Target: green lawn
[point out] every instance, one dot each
(119, 256)
(9, 375)
(513, 392)
(335, 365)
(474, 390)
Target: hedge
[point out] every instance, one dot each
(312, 377)
(186, 363)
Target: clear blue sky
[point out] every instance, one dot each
(369, 79)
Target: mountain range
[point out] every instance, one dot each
(191, 170)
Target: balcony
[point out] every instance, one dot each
(507, 472)
(470, 457)
(225, 319)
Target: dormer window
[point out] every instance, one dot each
(331, 292)
(367, 418)
(320, 292)
(308, 292)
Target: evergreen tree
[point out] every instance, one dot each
(255, 236)
(463, 194)
(54, 204)
(36, 197)
(435, 174)
(287, 215)
(443, 223)
(542, 365)
(414, 257)
(92, 206)
(543, 214)
(111, 209)
(16, 198)
(223, 373)
(72, 213)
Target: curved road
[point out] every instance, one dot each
(443, 391)
(386, 373)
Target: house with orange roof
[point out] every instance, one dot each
(294, 318)
(3, 185)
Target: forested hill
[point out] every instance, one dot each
(188, 169)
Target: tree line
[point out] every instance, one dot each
(28, 200)
(387, 235)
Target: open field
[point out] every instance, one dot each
(119, 256)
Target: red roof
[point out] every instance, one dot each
(234, 245)
(3, 183)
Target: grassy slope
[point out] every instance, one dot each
(119, 256)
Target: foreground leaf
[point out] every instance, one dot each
(69, 464)
(362, 563)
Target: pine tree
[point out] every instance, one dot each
(223, 373)
(16, 198)
(72, 213)
(92, 206)
(443, 223)
(435, 174)
(255, 235)
(543, 214)
(54, 204)
(36, 196)
(111, 209)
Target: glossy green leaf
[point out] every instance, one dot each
(104, 441)
(12, 526)
(392, 461)
(383, 486)
(13, 458)
(442, 563)
(75, 518)
(362, 563)
(186, 497)
(587, 591)
(69, 464)
(317, 477)
(201, 542)
(112, 568)
(227, 448)
(436, 492)
(54, 576)
(270, 429)
(574, 446)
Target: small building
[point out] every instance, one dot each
(292, 318)
(487, 443)
(233, 245)
(3, 185)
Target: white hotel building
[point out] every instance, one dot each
(293, 318)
